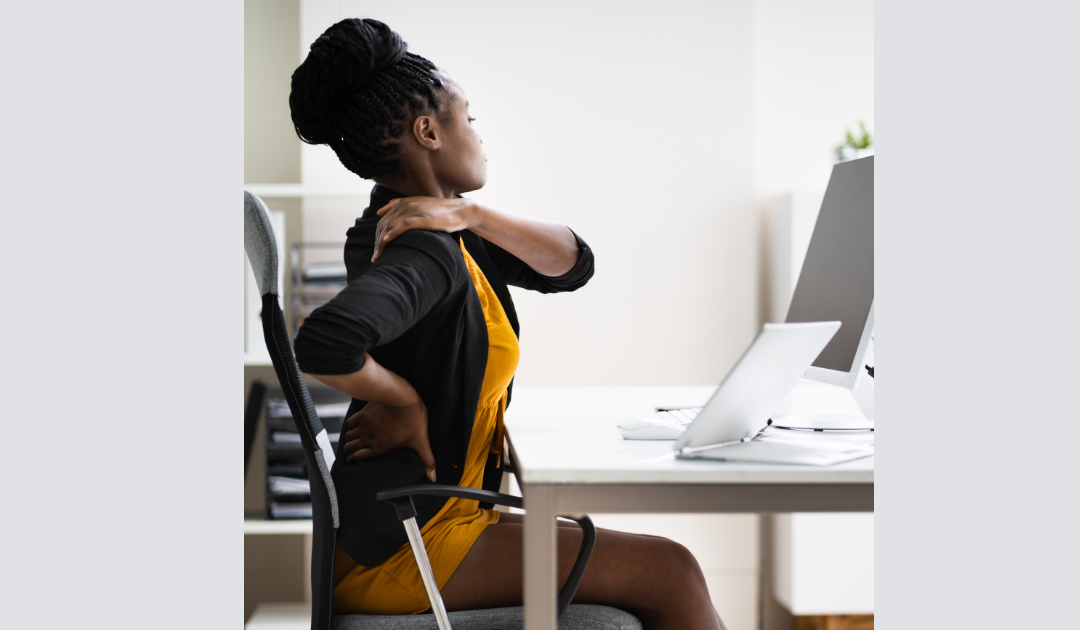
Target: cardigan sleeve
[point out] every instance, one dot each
(519, 274)
(375, 308)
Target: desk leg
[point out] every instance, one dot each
(540, 557)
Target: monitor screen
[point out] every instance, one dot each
(837, 277)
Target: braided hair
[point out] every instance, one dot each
(357, 91)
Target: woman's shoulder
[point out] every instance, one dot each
(414, 246)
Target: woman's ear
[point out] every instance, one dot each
(426, 132)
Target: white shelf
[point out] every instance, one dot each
(265, 191)
(285, 526)
(260, 360)
(280, 616)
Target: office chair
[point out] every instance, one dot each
(261, 248)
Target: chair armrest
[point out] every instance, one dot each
(588, 541)
(443, 490)
(401, 499)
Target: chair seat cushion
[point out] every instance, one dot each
(577, 617)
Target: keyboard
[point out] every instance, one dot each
(678, 416)
(663, 424)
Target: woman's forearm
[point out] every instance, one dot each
(548, 247)
(373, 383)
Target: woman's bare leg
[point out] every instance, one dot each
(654, 578)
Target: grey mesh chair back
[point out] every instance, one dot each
(318, 455)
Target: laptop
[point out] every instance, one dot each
(731, 424)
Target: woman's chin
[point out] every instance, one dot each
(472, 187)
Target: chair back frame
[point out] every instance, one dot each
(261, 249)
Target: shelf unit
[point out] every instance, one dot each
(278, 538)
(257, 360)
(280, 616)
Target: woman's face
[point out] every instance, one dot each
(461, 165)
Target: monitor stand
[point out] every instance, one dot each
(864, 395)
(825, 422)
(822, 407)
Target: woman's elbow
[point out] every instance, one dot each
(307, 352)
(327, 352)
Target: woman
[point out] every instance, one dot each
(424, 338)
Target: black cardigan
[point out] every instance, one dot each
(416, 312)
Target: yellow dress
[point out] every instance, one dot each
(395, 587)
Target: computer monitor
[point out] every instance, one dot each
(837, 277)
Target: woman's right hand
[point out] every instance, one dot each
(379, 428)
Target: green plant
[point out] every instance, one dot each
(863, 142)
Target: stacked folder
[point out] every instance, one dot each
(288, 492)
(315, 282)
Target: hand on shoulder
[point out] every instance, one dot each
(421, 213)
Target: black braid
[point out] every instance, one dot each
(357, 91)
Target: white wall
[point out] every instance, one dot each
(824, 563)
(657, 130)
(630, 122)
(813, 78)
(271, 148)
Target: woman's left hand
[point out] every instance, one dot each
(421, 213)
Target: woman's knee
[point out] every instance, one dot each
(677, 578)
(679, 560)
(670, 574)
(657, 557)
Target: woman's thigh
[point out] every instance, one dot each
(654, 578)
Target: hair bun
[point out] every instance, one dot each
(341, 61)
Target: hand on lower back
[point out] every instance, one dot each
(378, 429)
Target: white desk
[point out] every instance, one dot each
(573, 461)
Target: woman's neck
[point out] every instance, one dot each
(413, 184)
